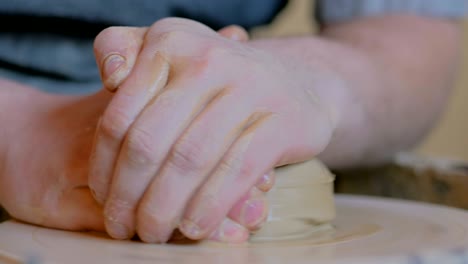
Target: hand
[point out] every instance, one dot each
(43, 179)
(250, 211)
(44, 161)
(191, 129)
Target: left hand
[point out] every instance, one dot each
(195, 125)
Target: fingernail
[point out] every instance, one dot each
(265, 182)
(190, 229)
(253, 212)
(111, 65)
(117, 230)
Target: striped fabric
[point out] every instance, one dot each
(328, 11)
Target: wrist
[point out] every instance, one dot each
(333, 73)
(315, 69)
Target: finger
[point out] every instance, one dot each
(122, 112)
(150, 77)
(229, 232)
(251, 210)
(77, 210)
(234, 32)
(264, 145)
(253, 154)
(116, 50)
(142, 154)
(266, 181)
(184, 164)
(231, 229)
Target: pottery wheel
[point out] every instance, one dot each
(365, 230)
(306, 223)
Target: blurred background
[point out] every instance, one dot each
(449, 139)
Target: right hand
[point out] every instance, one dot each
(121, 216)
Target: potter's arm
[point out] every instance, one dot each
(389, 79)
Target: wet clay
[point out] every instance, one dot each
(300, 204)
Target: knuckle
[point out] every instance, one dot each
(208, 61)
(186, 155)
(117, 208)
(225, 166)
(201, 68)
(140, 146)
(168, 37)
(179, 23)
(106, 34)
(167, 22)
(216, 52)
(231, 163)
(115, 123)
(319, 140)
(235, 164)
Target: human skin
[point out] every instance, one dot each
(340, 95)
(53, 191)
(58, 195)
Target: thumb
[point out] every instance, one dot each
(116, 50)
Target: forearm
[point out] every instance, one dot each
(391, 77)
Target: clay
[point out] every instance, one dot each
(301, 202)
